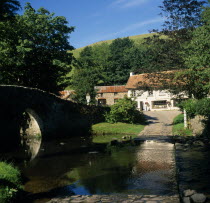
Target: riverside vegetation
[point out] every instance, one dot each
(10, 182)
(178, 126)
(122, 119)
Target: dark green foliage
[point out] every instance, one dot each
(33, 50)
(86, 75)
(95, 114)
(195, 107)
(8, 9)
(203, 107)
(189, 106)
(182, 16)
(124, 111)
(197, 59)
(120, 66)
(10, 182)
(156, 54)
(179, 119)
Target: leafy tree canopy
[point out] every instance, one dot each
(33, 50)
(197, 59)
(119, 66)
(8, 9)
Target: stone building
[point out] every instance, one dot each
(108, 95)
(148, 94)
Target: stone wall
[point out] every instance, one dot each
(111, 97)
(197, 125)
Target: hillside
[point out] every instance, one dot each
(138, 39)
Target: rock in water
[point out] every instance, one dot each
(188, 193)
(198, 198)
(186, 200)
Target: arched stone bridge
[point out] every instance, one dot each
(32, 111)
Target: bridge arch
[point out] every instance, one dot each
(32, 124)
(48, 114)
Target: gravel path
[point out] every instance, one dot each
(160, 123)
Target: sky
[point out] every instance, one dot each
(99, 20)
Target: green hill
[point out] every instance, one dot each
(138, 39)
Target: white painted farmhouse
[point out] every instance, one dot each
(150, 100)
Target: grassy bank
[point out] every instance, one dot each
(178, 126)
(10, 182)
(105, 132)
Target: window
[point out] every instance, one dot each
(160, 104)
(150, 93)
(102, 102)
(115, 93)
(133, 93)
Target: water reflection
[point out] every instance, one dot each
(79, 167)
(194, 168)
(31, 147)
(154, 170)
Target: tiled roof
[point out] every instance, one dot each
(149, 79)
(66, 93)
(111, 89)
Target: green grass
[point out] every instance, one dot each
(10, 182)
(178, 126)
(105, 132)
(138, 39)
(179, 119)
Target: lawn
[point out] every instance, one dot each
(105, 132)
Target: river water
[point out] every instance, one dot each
(77, 166)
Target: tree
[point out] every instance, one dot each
(183, 19)
(8, 9)
(118, 71)
(154, 55)
(86, 76)
(197, 58)
(33, 50)
(182, 16)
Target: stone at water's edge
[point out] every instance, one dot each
(198, 198)
(188, 193)
(117, 199)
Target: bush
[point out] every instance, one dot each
(94, 114)
(190, 107)
(195, 107)
(179, 119)
(10, 182)
(124, 111)
(203, 107)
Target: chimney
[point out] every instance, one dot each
(132, 73)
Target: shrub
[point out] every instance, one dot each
(10, 182)
(124, 111)
(196, 107)
(94, 114)
(190, 107)
(203, 107)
